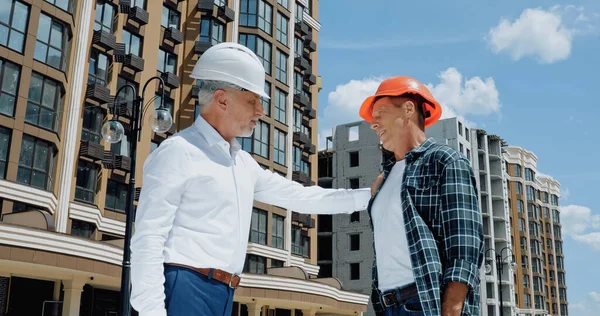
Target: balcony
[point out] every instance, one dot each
(310, 78)
(131, 61)
(206, 5)
(311, 150)
(91, 150)
(134, 13)
(312, 114)
(201, 47)
(104, 39)
(301, 177)
(305, 219)
(171, 80)
(226, 13)
(173, 3)
(174, 35)
(301, 138)
(307, 109)
(301, 28)
(98, 93)
(310, 44)
(301, 63)
(119, 162)
(301, 100)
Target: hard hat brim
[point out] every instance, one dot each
(434, 108)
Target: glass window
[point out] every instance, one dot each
(298, 82)
(82, 229)
(211, 30)
(282, 60)
(298, 47)
(62, 4)
(138, 3)
(261, 47)
(93, 118)
(280, 106)
(279, 147)
(284, 3)
(126, 95)
(267, 102)
(282, 29)
(10, 75)
(133, 43)
(5, 136)
(265, 17)
(170, 18)
(116, 196)
(43, 102)
(299, 11)
(255, 264)
(248, 14)
(166, 62)
(36, 163)
(104, 17)
(308, 8)
(87, 180)
(221, 3)
(50, 42)
(258, 227)
(13, 24)
(98, 68)
(277, 231)
(261, 139)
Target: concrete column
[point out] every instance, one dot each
(72, 300)
(309, 312)
(254, 309)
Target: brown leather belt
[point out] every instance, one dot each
(399, 296)
(232, 280)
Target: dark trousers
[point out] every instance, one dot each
(189, 293)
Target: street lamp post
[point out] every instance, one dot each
(113, 132)
(499, 260)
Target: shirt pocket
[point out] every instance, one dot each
(422, 183)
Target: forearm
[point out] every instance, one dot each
(453, 298)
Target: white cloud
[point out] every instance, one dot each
(577, 219)
(459, 96)
(544, 35)
(595, 296)
(591, 239)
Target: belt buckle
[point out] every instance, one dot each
(231, 281)
(384, 301)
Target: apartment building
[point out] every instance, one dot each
(63, 189)
(536, 229)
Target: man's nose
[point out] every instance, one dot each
(260, 110)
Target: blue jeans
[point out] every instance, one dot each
(189, 293)
(412, 307)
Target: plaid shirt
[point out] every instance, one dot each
(443, 225)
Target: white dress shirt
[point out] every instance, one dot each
(394, 267)
(196, 205)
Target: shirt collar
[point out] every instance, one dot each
(417, 152)
(212, 136)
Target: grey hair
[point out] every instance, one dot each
(208, 88)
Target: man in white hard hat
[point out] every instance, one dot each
(193, 219)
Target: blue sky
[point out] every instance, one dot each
(524, 70)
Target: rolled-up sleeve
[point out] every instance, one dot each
(461, 224)
(164, 179)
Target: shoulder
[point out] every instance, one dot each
(443, 154)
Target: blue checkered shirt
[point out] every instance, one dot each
(443, 225)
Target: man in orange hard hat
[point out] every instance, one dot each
(428, 232)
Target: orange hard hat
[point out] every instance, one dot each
(397, 86)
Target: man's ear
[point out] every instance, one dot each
(409, 108)
(220, 98)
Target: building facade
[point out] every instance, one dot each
(63, 189)
(345, 241)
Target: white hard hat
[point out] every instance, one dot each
(233, 63)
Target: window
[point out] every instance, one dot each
(279, 150)
(354, 242)
(468, 154)
(261, 47)
(82, 229)
(121, 148)
(517, 170)
(13, 24)
(460, 128)
(354, 183)
(43, 102)
(5, 136)
(133, 43)
(298, 47)
(298, 163)
(467, 134)
(98, 71)
(353, 133)
(221, 3)
(211, 31)
(265, 17)
(300, 242)
(138, 3)
(284, 3)
(93, 119)
(36, 163)
(126, 95)
(529, 175)
(62, 4)
(519, 188)
(530, 193)
(282, 61)
(267, 102)
(9, 81)
(276, 263)
(355, 217)
(116, 196)
(169, 104)
(282, 29)
(166, 62)
(50, 42)
(170, 18)
(248, 13)
(520, 206)
(104, 17)
(261, 139)
(87, 180)
(255, 264)
(277, 231)
(297, 120)
(280, 106)
(462, 149)
(258, 227)
(355, 271)
(298, 83)
(299, 11)
(353, 159)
